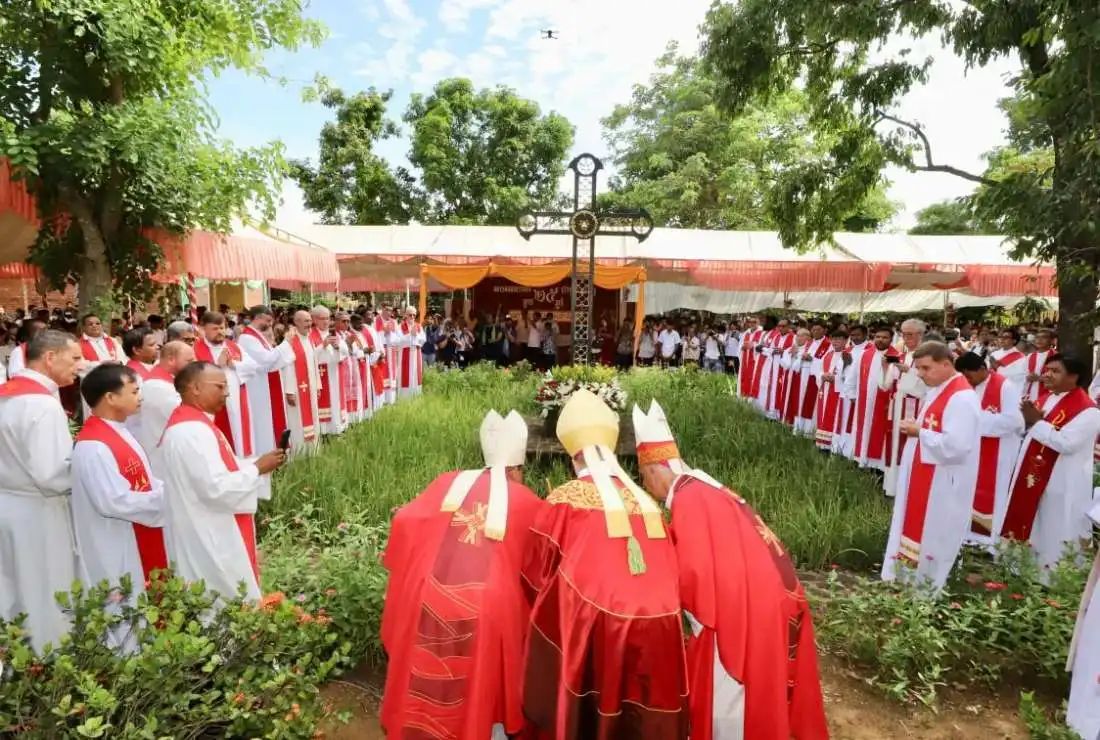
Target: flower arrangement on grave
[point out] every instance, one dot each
(562, 382)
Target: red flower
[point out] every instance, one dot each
(1052, 603)
(955, 605)
(834, 566)
(994, 586)
(895, 621)
(1017, 597)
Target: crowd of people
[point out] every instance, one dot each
(180, 428)
(507, 615)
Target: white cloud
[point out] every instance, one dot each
(432, 66)
(455, 14)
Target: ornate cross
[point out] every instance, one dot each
(584, 223)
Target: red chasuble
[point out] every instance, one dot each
(411, 359)
(878, 442)
(139, 368)
(455, 615)
(204, 352)
(985, 491)
(150, 540)
(324, 402)
(760, 361)
(739, 583)
(1035, 469)
(245, 523)
(922, 473)
(304, 391)
(605, 655)
(274, 388)
(828, 403)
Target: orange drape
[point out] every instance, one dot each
(459, 277)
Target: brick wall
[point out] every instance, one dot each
(11, 296)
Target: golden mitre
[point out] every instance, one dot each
(586, 421)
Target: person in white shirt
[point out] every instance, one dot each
(211, 492)
(534, 338)
(159, 398)
(37, 551)
(118, 504)
(647, 345)
(732, 341)
(712, 351)
(668, 339)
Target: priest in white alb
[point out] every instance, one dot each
(1052, 490)
(351, 376)
(385, 327)
(1009, 361)
(1002, 428)
(37, 551)
(828, 372)
(1083, 713)
(266, 403)
(411, 338)
(159, 397)
(141, 348)
(938, 471)
(870, 405)
(761, 367)
(97, 347)
(372, 374)
(17, 360)
(212, 493)
(906, 391)
(118, 504)
(235, 417)
(851, 360)
(301, 386)
(1033, 362)
(328, 352)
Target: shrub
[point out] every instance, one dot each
(242, 671)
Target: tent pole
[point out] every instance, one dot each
(946, 303)
(26, 298)
(862, 297)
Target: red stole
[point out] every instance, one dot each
(139, 368)
(365, 394)
(828, 404)
(922, 473)
(1009, 359)
(878, 441)
(245, 523)
(21, 385)
(304, 391)
(89, 351)
(347, 368)
(762, 340)
(159, 373)
(809, 398)
(1036, 467)
(748, 361)
(274, 389)
(150, 540)
(378, 369)
(324, 403)
(204, 352)
(411, 358)
(782, 343)
(981, 519)
(1036, 391)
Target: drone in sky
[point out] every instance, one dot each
(550, 34)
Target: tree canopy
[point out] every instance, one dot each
(678, 155)
(948, 217)
(103, 113)
(759, 49)
(479, 157)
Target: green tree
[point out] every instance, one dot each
(679, 156)
(485, 156)
(761, 48)
(948, 217)
(102, 113)
(351, 184)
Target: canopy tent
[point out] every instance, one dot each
(245, 254)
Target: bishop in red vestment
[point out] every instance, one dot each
(605, 656)
(456, 612)
(752, 660)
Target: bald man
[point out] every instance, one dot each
(301, 386)
(159, 397)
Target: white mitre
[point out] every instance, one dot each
(656, 444)
(503, 445)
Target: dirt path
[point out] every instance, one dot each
(855, 712)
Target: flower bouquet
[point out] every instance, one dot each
(559, 384)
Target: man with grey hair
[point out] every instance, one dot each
(906, 390)
(301, 384)
(328, 352)
(181, 331)
(37, 551)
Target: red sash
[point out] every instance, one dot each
(1010, 359)
(245, 523)
(782, 343)
(878, 442)
(139, 368)
(828, 405)
(981, 519)
(89, 351)
(378, 369)
(762, 340)
(748, 358)
(347, 370)
(921, 475)
(159, 373)
(324, 403)
(304, 391)
(809, 398)
(204, 352)
(274, 389)
(1035, 468)
(1035, 361)
(21, 385)
(150, 540)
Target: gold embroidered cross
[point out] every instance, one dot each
(132, 468)
(1031, 480)
(474, 523)
(932, 422)
(768, 536)
(303, 387)
(322, 370)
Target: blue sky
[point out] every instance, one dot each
(606, 46)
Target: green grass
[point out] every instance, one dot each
(825, 510)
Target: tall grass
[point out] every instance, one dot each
(824, 509)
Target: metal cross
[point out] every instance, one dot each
(584, 224)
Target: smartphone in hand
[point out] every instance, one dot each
(284, 440)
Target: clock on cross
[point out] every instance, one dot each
(584, 223)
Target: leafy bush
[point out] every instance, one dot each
(1040, 726)
(993, 622)
(242, 671)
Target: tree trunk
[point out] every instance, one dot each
(1077, 287)
(95, 272)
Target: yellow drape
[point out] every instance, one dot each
(608, 277)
